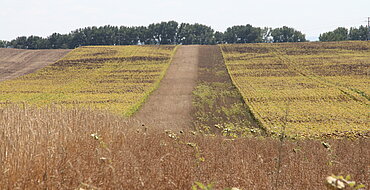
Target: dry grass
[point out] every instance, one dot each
(52, 148)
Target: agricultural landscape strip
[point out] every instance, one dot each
(69, 132)
(307, 89)
(218, 106)
(114, 78)
(170, 105)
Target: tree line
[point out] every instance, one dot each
(157, 33)
(172, 32)
(342, 34)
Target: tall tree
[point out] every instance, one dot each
(243, 34)
(19, 42)
(164, 32)
(195, 34)
(143, 35)
(36, 42)
(3, 44)
(59, 41)
(287, 34)
(219, 38)
(358, 33)
(339, 34)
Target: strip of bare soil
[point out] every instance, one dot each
(170, 105)
(197, 91)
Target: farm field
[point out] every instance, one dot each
(62, 126)
(218, 107)
(304, 89)
(18, 62)
(170, 105)
(115, 78)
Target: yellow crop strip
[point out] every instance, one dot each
(114, 78)
(313, 89)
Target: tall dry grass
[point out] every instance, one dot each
(53, 148)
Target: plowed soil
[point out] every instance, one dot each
(17, 62)
(170, 105)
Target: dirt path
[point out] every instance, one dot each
(17, 62)
(170, 105)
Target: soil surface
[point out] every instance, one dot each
(17, 62)
(218, 104)
(169, 107)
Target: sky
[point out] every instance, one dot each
(312, 17)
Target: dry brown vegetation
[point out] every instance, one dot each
(53, 148)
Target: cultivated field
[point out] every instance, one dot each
(218, 106)
(170, 105)
(310, 89)
(18, 62)
(62, 126)
(116, 78)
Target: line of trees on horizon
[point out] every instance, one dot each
(342, 34)
(169, 32)
(172, 32)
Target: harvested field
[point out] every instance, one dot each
(307, 89)
(115, 78)
(16, 62)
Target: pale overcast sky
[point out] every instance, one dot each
(44, 17)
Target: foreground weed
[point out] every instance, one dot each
(340, 182)
(52, 148)
(201, 186)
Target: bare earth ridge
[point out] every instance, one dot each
(170, 105)
(17, 62)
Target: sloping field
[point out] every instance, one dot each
(16, 62)
(169, 107)
(54, 147)
(218, 106)
(307, 88)
(116, 78)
